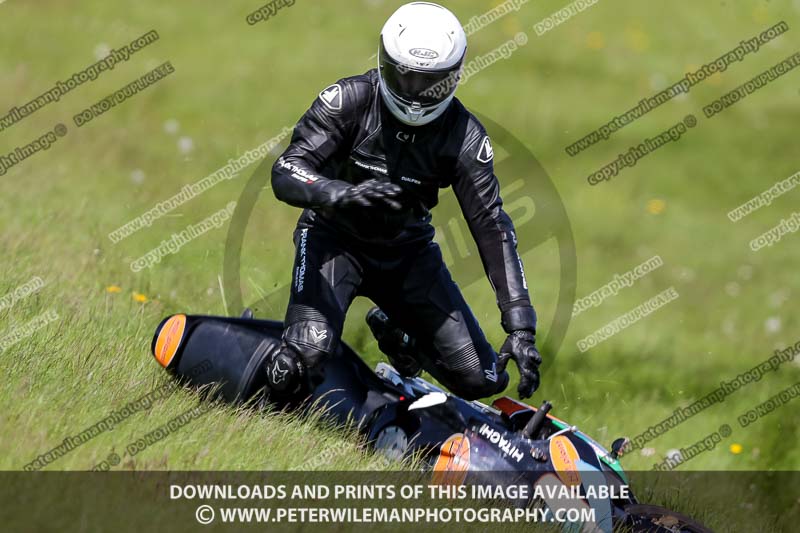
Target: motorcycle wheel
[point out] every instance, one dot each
(654, 519)
(392, 443)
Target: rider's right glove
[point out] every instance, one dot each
(521, 347)
(368, 194)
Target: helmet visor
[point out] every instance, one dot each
(410, 84)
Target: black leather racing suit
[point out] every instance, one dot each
(348, 136)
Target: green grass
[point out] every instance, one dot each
(236, 86)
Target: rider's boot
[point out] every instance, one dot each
(395, 343)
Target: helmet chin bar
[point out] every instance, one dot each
(415, 114)
(415, 111)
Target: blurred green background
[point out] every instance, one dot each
(236, 86)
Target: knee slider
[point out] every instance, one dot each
(313, 340)
(468, 378)
(479, 385)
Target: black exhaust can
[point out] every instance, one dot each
(224, 354)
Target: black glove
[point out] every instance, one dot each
(368, 194)
(521, 347)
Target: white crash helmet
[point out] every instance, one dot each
(422, 50)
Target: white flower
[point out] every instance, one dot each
(137, 176)
(732, 289)
(172, 126)
(185, 145)
(674, 454)
(745, 272)
(772, 324)
(101, 50)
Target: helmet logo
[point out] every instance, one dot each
(486, 152)
(424, 53)
(332, 97)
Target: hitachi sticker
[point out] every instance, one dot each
(504, 444)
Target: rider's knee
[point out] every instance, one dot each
(468, 378)
(479, 385)
(312, 337)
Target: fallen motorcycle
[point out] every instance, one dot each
(461, 441)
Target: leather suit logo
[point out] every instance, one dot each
(486, 153)
(278, 373)
(332, 97)
(406, 137)
(318, 335)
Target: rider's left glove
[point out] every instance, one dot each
(521, 347)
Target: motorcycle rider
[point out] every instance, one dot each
(365, 163)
